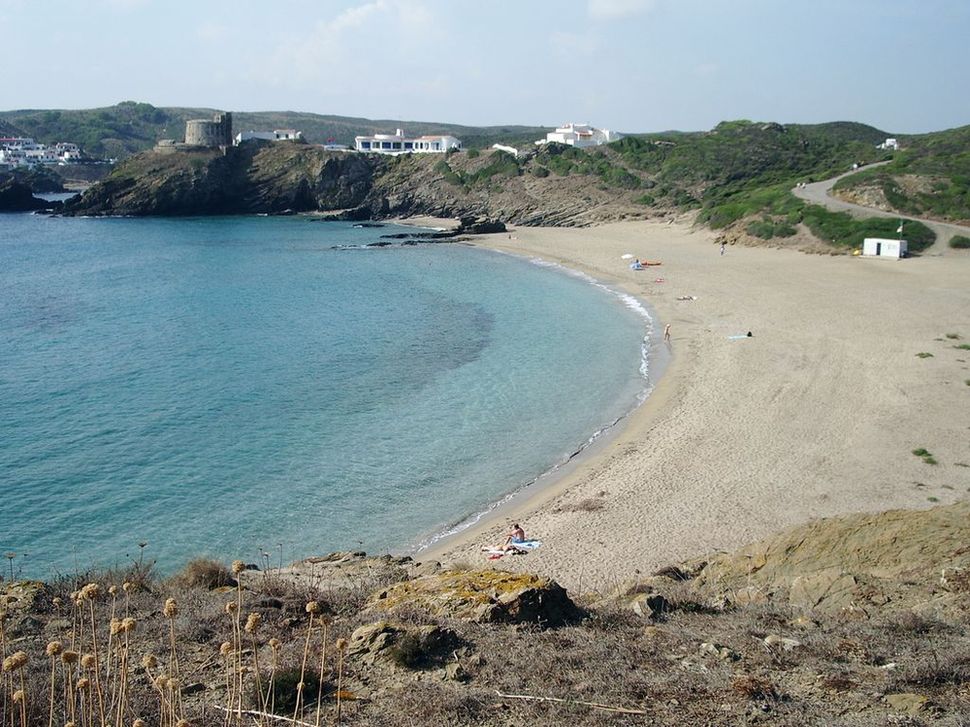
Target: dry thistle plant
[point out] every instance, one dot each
(325, 623)
(312, 608)
(341, 648)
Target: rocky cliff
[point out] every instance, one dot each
(274, 178)
(248, 179)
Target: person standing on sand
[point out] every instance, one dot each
(667, 333)
(722, 247)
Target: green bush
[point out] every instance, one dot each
(644, 199)
(960, 242)
(768, 228)
(540, 172)
(473, 153)
(447, 173)
(500, 163)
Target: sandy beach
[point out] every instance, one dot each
(815, 415)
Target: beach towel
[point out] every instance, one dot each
(527, 546)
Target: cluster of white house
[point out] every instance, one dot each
(580, 135)
(22, 151)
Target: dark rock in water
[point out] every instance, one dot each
(479, 226)
(18, 197)
(379, 244)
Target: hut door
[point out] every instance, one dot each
(878, 248)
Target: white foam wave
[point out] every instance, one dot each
(635, 305)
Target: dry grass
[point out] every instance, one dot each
(701, 663)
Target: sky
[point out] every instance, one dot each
(626, 65)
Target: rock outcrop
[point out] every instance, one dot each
(483, 597)
(901, 559)
(18, 197)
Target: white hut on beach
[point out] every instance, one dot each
(883, 247)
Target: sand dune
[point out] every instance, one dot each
(816, 414)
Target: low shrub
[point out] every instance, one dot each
(960, 242)
(205, 573)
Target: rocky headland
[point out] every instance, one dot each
(290, 177)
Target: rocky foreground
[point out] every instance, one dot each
(861, 620)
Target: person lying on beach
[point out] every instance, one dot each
(513, 540)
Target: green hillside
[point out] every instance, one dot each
(928, 177)
(130, 127)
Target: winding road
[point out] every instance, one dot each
(820, 193)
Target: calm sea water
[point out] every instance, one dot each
(234, 387)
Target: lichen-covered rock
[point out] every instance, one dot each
(483, 596)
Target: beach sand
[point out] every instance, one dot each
(815, 415)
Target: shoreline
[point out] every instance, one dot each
(529, 497)
(816, 415)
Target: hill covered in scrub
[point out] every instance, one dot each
(131, 127)
(860, 621)
(736, 178)
(928, 177)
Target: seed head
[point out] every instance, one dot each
(83, 683)
(252, 623)
(70, 657)
(88, 661)
(238, 567)
(19, 696)
(161, 681)
(54, 648)
(90, 592)
(113, 590)
(115, 626)
(232, 607)
(138, 723)
(174, 683)
(312, 607)
(149, 661)
(15, 661)
(128, 624)
(127, 586)
(341, 644)
(183, 723)
(57, 601)
(225, 649)
(171, 608)
(274, 643)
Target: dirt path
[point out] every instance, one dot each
(820, 193)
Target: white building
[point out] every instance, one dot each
(274, 135)
(20, 151)
(507, 149)
(889, 143)
(883, 247)
(399, 143)
(580, 135)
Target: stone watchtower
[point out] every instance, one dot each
(213, 133)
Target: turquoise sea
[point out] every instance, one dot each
(239, 388)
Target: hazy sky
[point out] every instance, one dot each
(629, 65)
